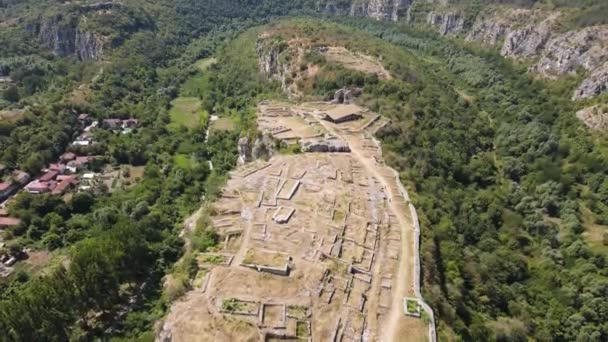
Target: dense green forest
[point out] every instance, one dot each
(505, 178)
(506, 181)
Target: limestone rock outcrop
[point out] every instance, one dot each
(593, 85)
(595, 117)
(345, 95)
(528, 41)
(68, 33)
(446, 22)
(381, 9)
(64, 36)
(269, 62)
(263, 147)
(377, 9)
(532, 35)
(566, 52)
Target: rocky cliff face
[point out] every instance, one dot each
(528, 41)
(381, 9)
(526, 34)
(269, 63)
(65, 37)
(446, 22)
(532, 35)
(593, 85)
(564, 53)
(377, 9)
(262, 148)
(66, 33)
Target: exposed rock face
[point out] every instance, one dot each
(165, 334)
(269, 63)
(262, 147)
(64, 37)
(565, 52)
(593, 85)
(488, 33)
(595, 117)
(519, 33)
(244, 150)
(65, 33)
(381, 9)
(530, 34)
(345, 95)
(57, 36)
(529, 41)
(448, 22)
(88, 46)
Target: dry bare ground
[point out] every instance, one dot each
(350, 246)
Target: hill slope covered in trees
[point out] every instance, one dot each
(511, 188)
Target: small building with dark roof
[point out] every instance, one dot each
(343, 113)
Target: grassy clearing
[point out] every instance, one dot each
(195, 86)
(594, 233)
(205, 63)
(223, 124)
(183, 161)
(187, 111)
(11, 115)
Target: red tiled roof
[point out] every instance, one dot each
(4, 186)
(62, 187)
(56, 167)
(9, 221)
(37, 186)
(69, 178)
(48, 176)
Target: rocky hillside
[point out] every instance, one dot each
(83, 30)
(534, 35)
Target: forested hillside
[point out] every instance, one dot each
(511, 188)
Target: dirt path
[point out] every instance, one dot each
(407, 261)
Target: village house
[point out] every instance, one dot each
(57, 167)
(90, 127)
(83, 140)
(83, 119)
(112, 123)
(64, 184)
(78, 164)
(48, 176)
(7, 222)
(343, 114)
(127, 125)
(37, 187)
